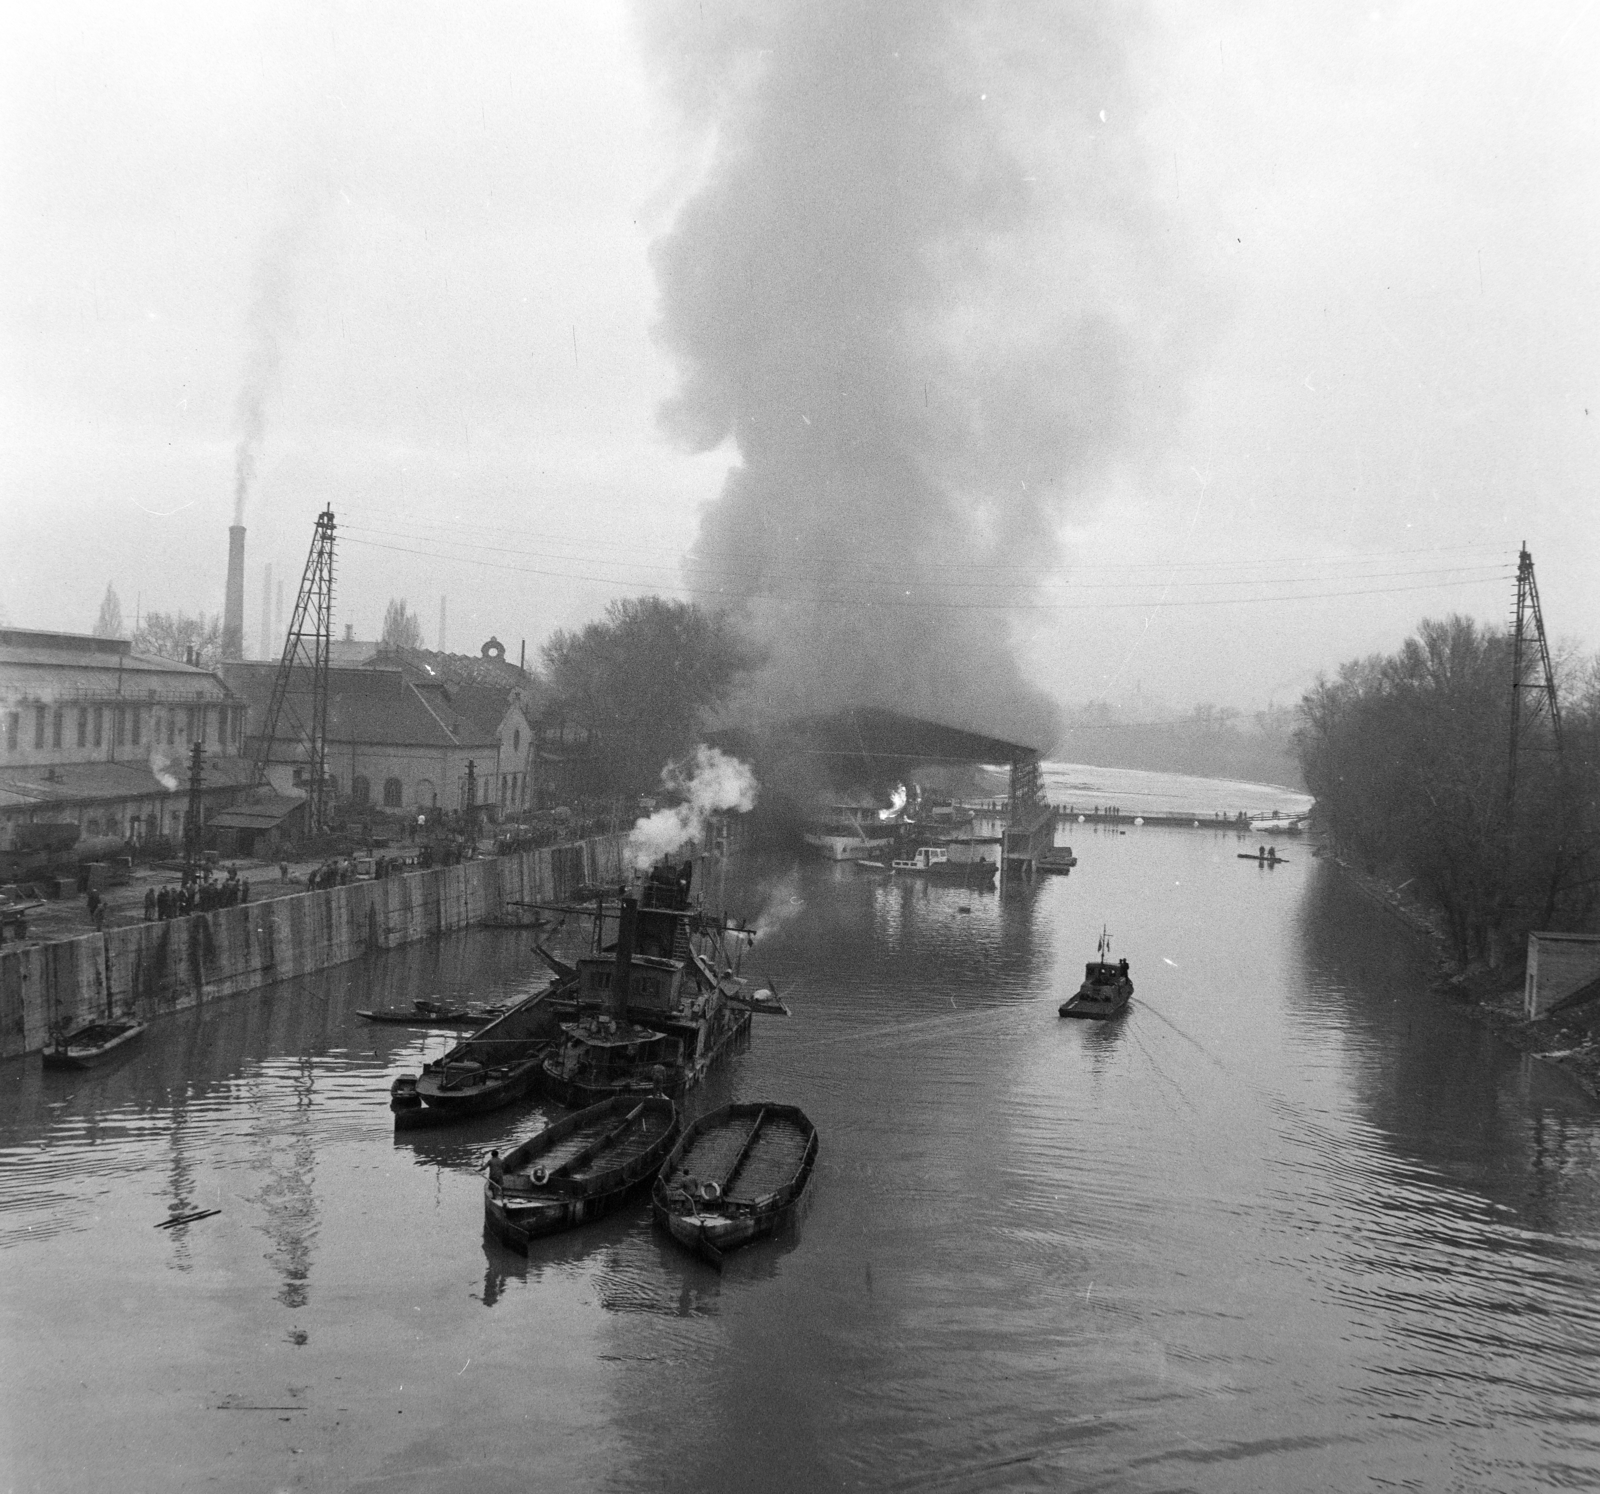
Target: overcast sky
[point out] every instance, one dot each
(405, 252)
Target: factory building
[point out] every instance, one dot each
(98, 737)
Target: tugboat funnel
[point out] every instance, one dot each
(617, 997)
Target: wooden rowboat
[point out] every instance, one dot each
(434, 1014)
(87, 1046)
(735, 1175)
(580, 1168)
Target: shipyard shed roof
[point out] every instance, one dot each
(870, 732)
(263, 814)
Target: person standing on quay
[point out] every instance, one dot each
(149, 904)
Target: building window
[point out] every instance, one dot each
(138, 724)
(392, 793)
(360, 792)
(516, 740)
(55, 728)
(13, 725)
(93, 828)
(188, 723)
(172, 727)
(83, 727)
(119, 718)
(204, 723)
(39, 713)
(99, 725)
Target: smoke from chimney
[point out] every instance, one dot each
(921, 288)
(233, 599)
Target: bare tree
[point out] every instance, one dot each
(172, 635)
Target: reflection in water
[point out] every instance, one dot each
(287, 1146)
(1290, 1223)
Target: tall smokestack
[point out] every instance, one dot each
(266, 612)
(233, 602)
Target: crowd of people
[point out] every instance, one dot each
(195, 894)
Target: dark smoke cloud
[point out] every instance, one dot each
(918, 286)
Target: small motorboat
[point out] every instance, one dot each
(735, 1175)
(86, 1046)
(1058, 859)
(434, 1014)
(764, 999)
(936, 863)
(1278, 823)
(578, 1169)
(1106, 987)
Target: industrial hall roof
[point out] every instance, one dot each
(100, 782)
(51, 665)
(371, 707)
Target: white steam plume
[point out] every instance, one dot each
(710, 782)
(160, 765)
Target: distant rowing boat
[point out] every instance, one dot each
(434, 1014)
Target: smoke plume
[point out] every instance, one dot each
(919, 287)
(266, 325)
(711, 782)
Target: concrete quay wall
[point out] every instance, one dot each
(149, 968)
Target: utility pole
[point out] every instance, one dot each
(472, 798)
(298, 711)
(1531, 670)
(193, 830)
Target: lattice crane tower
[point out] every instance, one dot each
(1531, 672)
(298, 712)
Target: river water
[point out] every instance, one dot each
(1291, 1224)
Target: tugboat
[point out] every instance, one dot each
(1106, 988)
(657, 1012)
